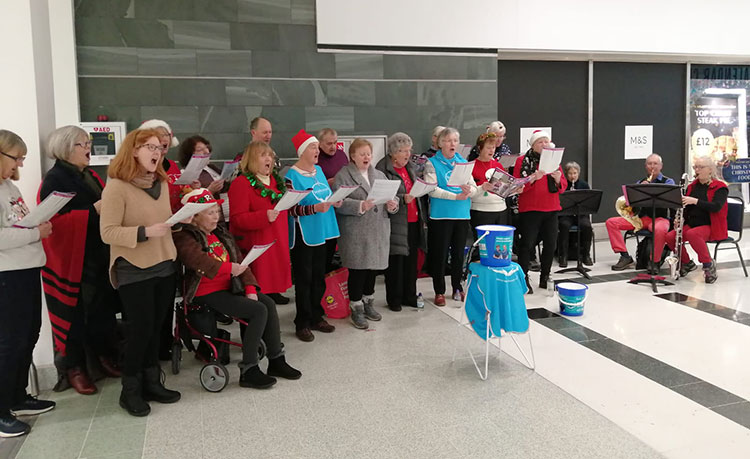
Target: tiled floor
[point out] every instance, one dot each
(637, 376)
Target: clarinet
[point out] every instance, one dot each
(675, 264)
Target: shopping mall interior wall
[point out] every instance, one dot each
(210, 66)
(631, 94)
(546, 94)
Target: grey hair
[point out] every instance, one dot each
(496, 126)
(657, 155)
(572, 165)
(707, 161)
(398, 141)
(436, 130)
(446, 132)
(326, 131)
(62, 141)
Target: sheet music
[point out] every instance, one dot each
(341, 193)
(188, 210)
(193, 169)
(46, 209)
(505, 184)
(550, 160)
(228, 169)
(383, 190)
(225, 205)
(255, 252)
(421, 188)
(290, 199)
(461, 174)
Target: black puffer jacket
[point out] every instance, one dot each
(399, 224)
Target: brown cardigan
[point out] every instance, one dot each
(125, 207)
(192, 250)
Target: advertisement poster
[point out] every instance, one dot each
(718, 129)
(639, 142)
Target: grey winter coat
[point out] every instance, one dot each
(364, 240)
(399, 224)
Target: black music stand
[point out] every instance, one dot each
(654, 195)
(577, 202)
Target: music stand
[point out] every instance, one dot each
(654, 195)
(577, 202)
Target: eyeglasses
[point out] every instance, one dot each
(86, 144)
(699, 166)
(18, 159)
(151, 147)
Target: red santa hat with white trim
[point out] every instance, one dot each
(301, 140)
(153, 124)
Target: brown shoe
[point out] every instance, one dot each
(110, 367)
(304, 334)
(81, 381)
(439, 299)
(323, 327)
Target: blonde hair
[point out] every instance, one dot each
(62, 141)
(710, 163)
(358, 142)
(11, 141)
(253, 151)
(124, 165)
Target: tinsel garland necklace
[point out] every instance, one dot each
(264, 190)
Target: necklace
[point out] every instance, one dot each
(264, 190)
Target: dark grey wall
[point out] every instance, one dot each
(209, 66)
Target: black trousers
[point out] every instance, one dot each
(20, 321)
(330, 252)
(145, 303)
(401, 275)
(361, 282)
(309, 270)
(533, 225)
(442, 236)
(262, 321)
(563, 239)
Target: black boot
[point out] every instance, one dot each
(279, 367)
(130, 397)
(253, 377)
(543, 278)
(528, 286)
(154, 390)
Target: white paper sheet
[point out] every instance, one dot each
(290, 199)
(255, 252)
(550, 160)
(188, 210)
(228, 169)
(341, 193)
(421, 188)
(461, 174)
(46, 209)
(225, 205)
(193, 169)
(383, 190)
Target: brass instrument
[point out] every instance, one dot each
(626, 212)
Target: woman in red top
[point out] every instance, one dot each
(705, 218)
(253, 220)
(538, 206)
(486, 208)
(407, 225)
(211, 258)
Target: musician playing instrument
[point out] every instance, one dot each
(705, 217)
(616, 225)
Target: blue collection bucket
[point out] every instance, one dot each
(572, 297)
(496, 248)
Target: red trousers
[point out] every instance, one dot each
(697, 238)
(616, 225)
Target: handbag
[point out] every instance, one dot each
(335, 301)
(237, 288)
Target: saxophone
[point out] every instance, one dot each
(675, 259)
(626, 212)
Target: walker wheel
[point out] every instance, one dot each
(261, 350)
(214, 377)
(176, 357)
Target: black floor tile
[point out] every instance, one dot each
(739, 413)
(707, 394)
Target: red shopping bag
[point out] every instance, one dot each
(335, 302)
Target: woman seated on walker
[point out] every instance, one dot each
(211, 258)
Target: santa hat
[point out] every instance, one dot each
(301, 140)
(200, 195)
(153, 124)
(538, 134)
